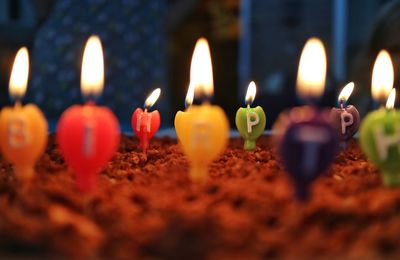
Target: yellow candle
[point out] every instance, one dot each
(23, 129)
(203, 129)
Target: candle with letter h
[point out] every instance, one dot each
(145, 124)
(380, 129)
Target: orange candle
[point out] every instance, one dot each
(23, 129)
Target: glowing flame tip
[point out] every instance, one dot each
(382, 76)
(251, 93)
(391, 99)
(19, 74)
(312, 69)
(201, 75)
(346, 92)
(92, 75)
(151, 100)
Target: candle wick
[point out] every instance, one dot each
(18, 102)
(342, 103)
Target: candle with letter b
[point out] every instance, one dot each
(23, 129)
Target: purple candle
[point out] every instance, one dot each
(307, 142)
(345, 119)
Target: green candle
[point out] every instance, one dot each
(250, 122)
(380, 130)
(380, 140)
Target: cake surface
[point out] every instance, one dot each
(146, 207)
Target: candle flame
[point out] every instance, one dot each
(201, 74)
(391, 99)
(151, 100)
(346, 92)
(251, 93)
(382, 76)
(312, 70)
(189, 96)
(19, 74)
(92, 74)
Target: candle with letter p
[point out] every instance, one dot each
(345, 119)
(250, 122)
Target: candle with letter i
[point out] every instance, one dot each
(23, 129)
(380, 129)
(345, 119)
(250, 122)
(144, 123)
(88, 135)
(203, 129)
(307, 141)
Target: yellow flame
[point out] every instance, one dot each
(152, 98)
(92, 75)
(251, 93)
(312, 69)
(346, 92)
(19, 74)
(201, 74)
(382, 76)
(189, 96)
(391, 99)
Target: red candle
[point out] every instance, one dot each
(88, 135)
(144, 123)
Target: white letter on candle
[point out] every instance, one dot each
(148, 122)
(200, 134)
(383, 141)
(18, 133)
(250, 123)
(313, 137)
(343, 122)
(88, 141)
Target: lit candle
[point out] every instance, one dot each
(203, 129)
(88, 135)
(23, 129)
(380, 129)
(145, 124)
(345, 119)
(307, 140)
(250, 122)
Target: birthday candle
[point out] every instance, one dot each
(23, 129)
(307, 140)
(250, 122)
(203, 129)
(88, 135)
(145, 124)
(380, 129)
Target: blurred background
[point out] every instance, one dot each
(149, 44)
